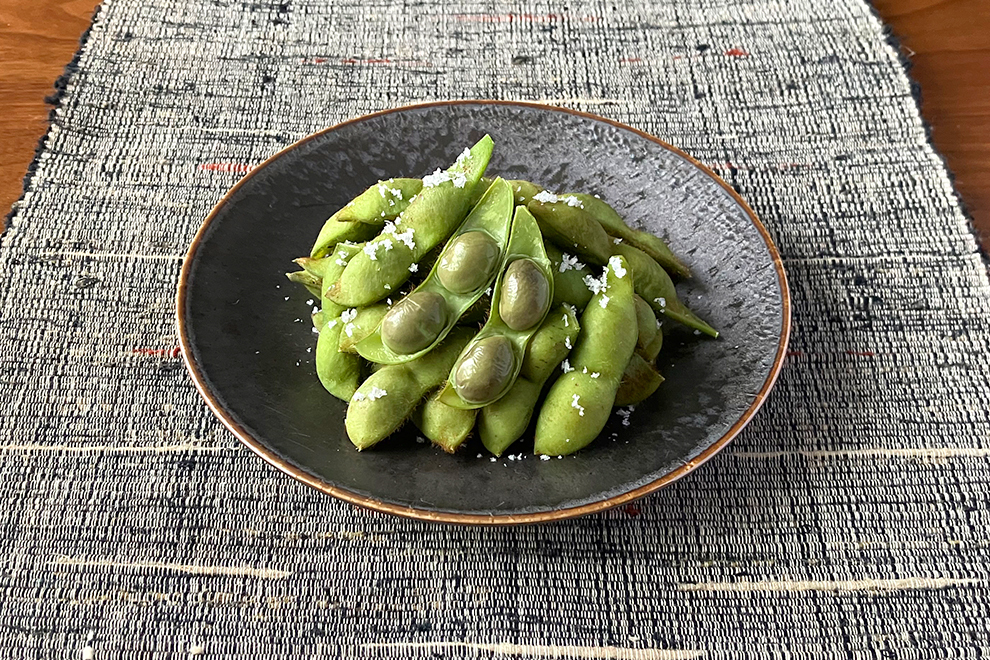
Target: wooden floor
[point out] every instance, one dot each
(948, 42)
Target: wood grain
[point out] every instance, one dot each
(947, 41)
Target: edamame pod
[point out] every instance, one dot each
(564, 222)
(646, 322)
(339, 372)
(503, 422)
(569, 278)
(614, 225)
(334, 232)
(365, 321)
(383, 402)
(443, 425)
(432, 216)
(383, 201)
(654, 285)
(490, 364)
(579, 403)
(484, 183)
(466, 268)
(639, 381)
(308, 280)
(524, 191)
(652, 350)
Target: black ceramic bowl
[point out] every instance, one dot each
(245, 330)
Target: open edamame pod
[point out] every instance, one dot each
(338, 372)
(445, 426)
(503, 422)
(579, 403)
(364, 322)
(490, 364)
(465, 269)
(615, 226)
(390, 395)
(385, 262)
(564, 222)
(654, 285)
(639, 381)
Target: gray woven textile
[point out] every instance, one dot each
(850, 520)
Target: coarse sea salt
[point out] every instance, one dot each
(575, 398)
(546, 197)
(376, 393)
(348, 315)
(567, 341)
(568, 262)
(603, 301)
(371, 249)
(617, 267)
(566, 366)
(660, 301)
(413, 268)
(594, 284)
(571, 200)
(595, 374)
(544, 457)
(435, 179)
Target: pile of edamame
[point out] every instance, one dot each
(466, 303)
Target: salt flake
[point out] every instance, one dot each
(546, 197)
(568, 262)
(616, 264)
(574, 404)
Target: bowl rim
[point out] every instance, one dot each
(494, 519)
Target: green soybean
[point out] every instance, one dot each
(431, 217)
(654, 285)
(503, 422)
(615, 226)
(390, 395)
(564, 222)
(525, 295)
(499, 347)
(443, 425)
(569, 278)
(483, 371)
(639, 381)
(579, 403)
(414, 324)
(469, 262)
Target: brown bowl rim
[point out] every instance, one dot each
(473, 518)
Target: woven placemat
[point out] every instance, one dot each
(850, 519)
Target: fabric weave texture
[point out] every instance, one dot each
(849, 520)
